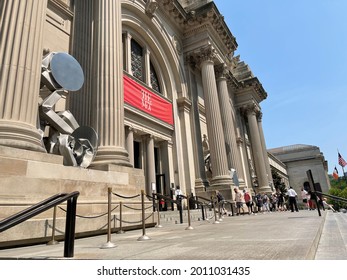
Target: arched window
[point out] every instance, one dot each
(137, 63)
(137, 60)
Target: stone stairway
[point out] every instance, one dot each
(333, 241)
(173, 217)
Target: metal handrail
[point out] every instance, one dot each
(333, 196)
(43, 206)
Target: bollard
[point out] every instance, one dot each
(120, 218)
(144, 237)
(53, 241)
(108, 244)
(189, 223)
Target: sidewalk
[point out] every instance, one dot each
(270, 236)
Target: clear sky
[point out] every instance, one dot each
(298, 51)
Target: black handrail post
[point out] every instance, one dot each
(70, 227)
(311, 182)
(180, 208)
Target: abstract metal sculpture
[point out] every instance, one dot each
(61, 73)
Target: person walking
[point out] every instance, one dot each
(292, 199)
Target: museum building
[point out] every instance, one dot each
(170, 103)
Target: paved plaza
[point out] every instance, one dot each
(272, 236)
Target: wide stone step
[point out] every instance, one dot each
(333, 241)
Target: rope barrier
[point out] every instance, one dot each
(90, 217)
(126, 197)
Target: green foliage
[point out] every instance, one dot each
(279, 185)
(339, 189)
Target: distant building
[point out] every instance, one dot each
(298, 160)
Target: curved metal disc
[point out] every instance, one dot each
(66, 71)
(86, 132)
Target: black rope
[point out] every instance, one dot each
(91, 217)
(125, 197)
(134, 222)
(131, 208)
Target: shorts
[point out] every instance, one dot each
(304, 200)
(239, 204)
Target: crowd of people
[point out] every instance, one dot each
(246, 203)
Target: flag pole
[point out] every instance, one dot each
(343, 171)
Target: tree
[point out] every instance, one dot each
(278, 182)
(339, 189)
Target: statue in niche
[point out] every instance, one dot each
(207, 157)
(60, 74)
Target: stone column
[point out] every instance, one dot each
(150, 163)
(233, 156)
(263, 143)
(201, 181)
(108, 95)
(21, 46)
(80, 103)
(130, 143)
(263, 184)
(219, 162)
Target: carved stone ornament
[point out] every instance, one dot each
(151, 7)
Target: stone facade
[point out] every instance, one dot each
(177, 55)
(298, 160)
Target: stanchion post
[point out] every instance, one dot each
(53, 241)
(158, 225)
(108, 244)
(120, 218)
(189, 221)
(144, 237)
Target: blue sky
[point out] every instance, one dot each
(298, 51)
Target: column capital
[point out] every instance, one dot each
(204, 54)
(260, 116)
(222, 71)
(250, 109)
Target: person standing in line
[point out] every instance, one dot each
(304, 195)
(259, 202)
(292, 199)
(249, 202)
(179, 197)
(280, 201)
(265, 203)
(239, 201)
(221, 203)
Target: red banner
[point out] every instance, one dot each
(147, 101)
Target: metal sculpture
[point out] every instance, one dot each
(61, 73)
